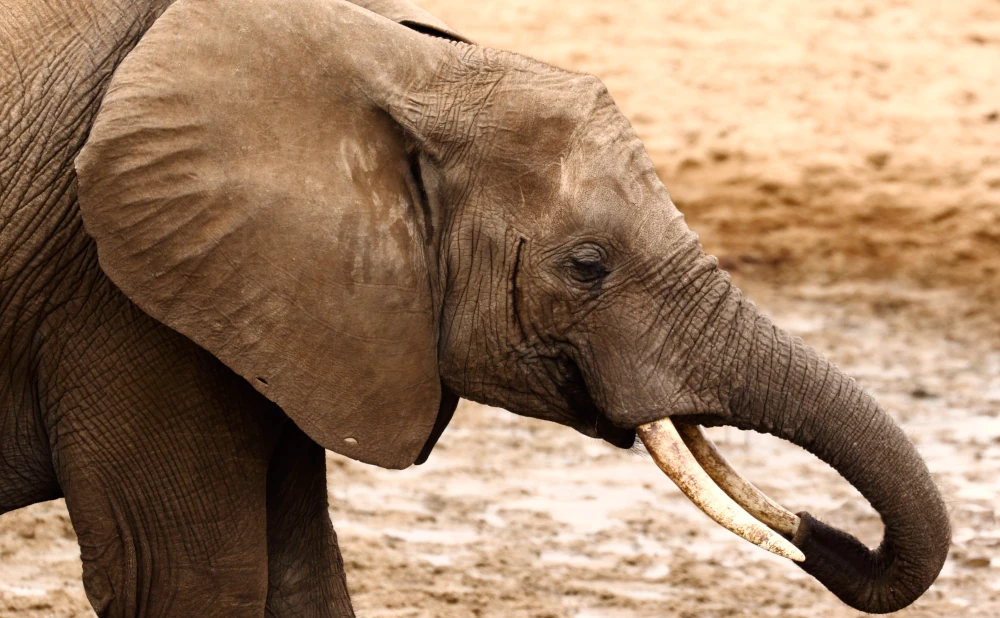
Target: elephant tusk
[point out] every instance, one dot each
(677, 462)
(753, 500)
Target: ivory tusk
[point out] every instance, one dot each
(677, 462)
(753, 500)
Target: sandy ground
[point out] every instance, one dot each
(841, 159)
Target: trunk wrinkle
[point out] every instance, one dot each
(782, 387)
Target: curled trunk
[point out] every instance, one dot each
(783, 387)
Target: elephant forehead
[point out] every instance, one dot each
(574, 161)
(579, 195)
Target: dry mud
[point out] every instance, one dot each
(841, 159)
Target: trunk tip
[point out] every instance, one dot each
(877, 582)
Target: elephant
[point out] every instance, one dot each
(239, 232)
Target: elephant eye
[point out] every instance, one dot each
(587, 264)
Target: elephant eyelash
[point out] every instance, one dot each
(589, 269)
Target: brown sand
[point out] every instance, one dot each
(841, 159)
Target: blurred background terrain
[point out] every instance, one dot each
(842, 159)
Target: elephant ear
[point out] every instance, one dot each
(244, 192)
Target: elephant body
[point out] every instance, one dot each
(237, 232)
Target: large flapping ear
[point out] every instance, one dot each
(244, 189)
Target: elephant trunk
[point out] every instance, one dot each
(779, 385)
(792, 392)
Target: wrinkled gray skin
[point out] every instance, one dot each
(508, 235)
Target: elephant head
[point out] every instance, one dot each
(367, 222)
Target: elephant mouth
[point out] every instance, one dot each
(595, 423)
(613, 434)
(686, 455)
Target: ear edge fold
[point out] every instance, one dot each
(411, 16)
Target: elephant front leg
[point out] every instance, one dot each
(167, 526)
(162, 453)
(305, 568)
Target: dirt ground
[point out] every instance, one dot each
(841, 158)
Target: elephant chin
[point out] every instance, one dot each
(613, 434)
